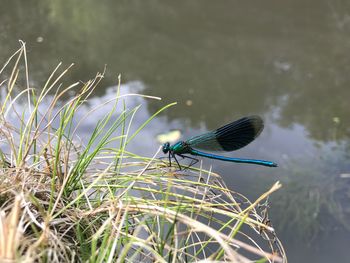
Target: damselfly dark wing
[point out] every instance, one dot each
(230, 137)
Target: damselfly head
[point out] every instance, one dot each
(166, 147)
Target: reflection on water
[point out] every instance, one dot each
(284, 60)
(171, 136)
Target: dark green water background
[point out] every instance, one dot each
(288, 61)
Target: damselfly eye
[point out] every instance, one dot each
(166, 147)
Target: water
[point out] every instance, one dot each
(284, 60)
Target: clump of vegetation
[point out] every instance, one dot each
(62, 200)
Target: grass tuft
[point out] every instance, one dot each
(63, 200)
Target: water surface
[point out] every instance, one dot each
(287, 61)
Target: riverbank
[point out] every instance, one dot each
(67, 199)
